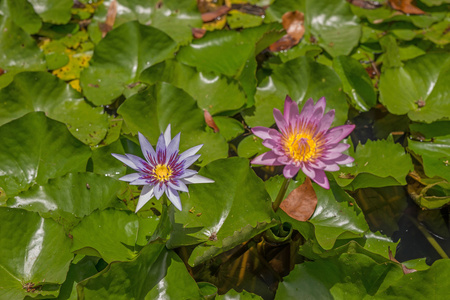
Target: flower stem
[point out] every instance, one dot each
(281, 193)
(429, 238)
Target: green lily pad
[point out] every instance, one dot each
(120, 58)
(156, 271)
(150, 111)
(232, 294)
(422, 284)
(73, 195)
(345, 275)
(301, 79)
(105, 163)
(215, 93)
(116, 235)
(176, 18)
(35, 149)
(418, 89)
(19, 51)
(35, 255)
(240, 209)
(53, 11)
(431, 130)
(251, 146)
(40, 91)
(377, 164)
(435, 155)
(238, 19)
(23, 14)
(357, 83)
(335, 215)
(333, 24)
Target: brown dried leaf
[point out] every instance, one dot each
(198, 33)
(404, 268)
(210, 121)
(293, 24)
(406, 7)
(110, 19)
(212, 15)
(301, 203)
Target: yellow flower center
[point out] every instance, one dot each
(162, 172)
(300, 147)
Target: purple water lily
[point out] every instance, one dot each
(163, 170)
(305, 141)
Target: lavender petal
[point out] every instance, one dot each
(146, 195)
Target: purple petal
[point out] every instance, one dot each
(319, 109)
(321, 179)
(344, 159)
(167, 135)
(130, 177)
(187, 173)
(340, 147)
(270, 143)
(178, 185)
(189, 152)
(161, 145)
(190, 160)
(268, 159)
(261, 132)
(321, 104)
(326, 121)
(279, 119)
(125, 160)
(289, 171)
(146, 148)
(310, 172)
(290, 110)
(140, 181)
(173, 146)
(307, 110)
(331, 155)
(174, 198)
(196, 179)
(331, 168)
(159, 189)
(146, 195)
(141, 165)
(336, 134)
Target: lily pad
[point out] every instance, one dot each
(23, 14)
(418, 89)
(150, 111)
(35, 255)
(301, 79)
(215, 93)
(240, 209)
(40, 91)
(73, 195)
(154, 271)
(120, 58)
(377, 164)
(115, 235)
(53, 11)
(35, 149)
(435, 156)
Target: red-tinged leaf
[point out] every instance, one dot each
(293, 24)
(365, 4)
(212, 15)
(110, 19)
(406, 7)
(405, 269)
(301, 203)
(198, 33)
(210, 121)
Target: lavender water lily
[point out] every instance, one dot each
(164, 170)
(305, 141)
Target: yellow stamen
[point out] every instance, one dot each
(300, 147)
(162, 172)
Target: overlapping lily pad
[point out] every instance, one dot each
(156, 271)
(40, 91)
(377, 163)
(301, 79)
(53, 11)
(120, 58)
(35, 255)
(150, 111)
(114, 235)
(418, 89)
(35, 149)
(240, 209)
